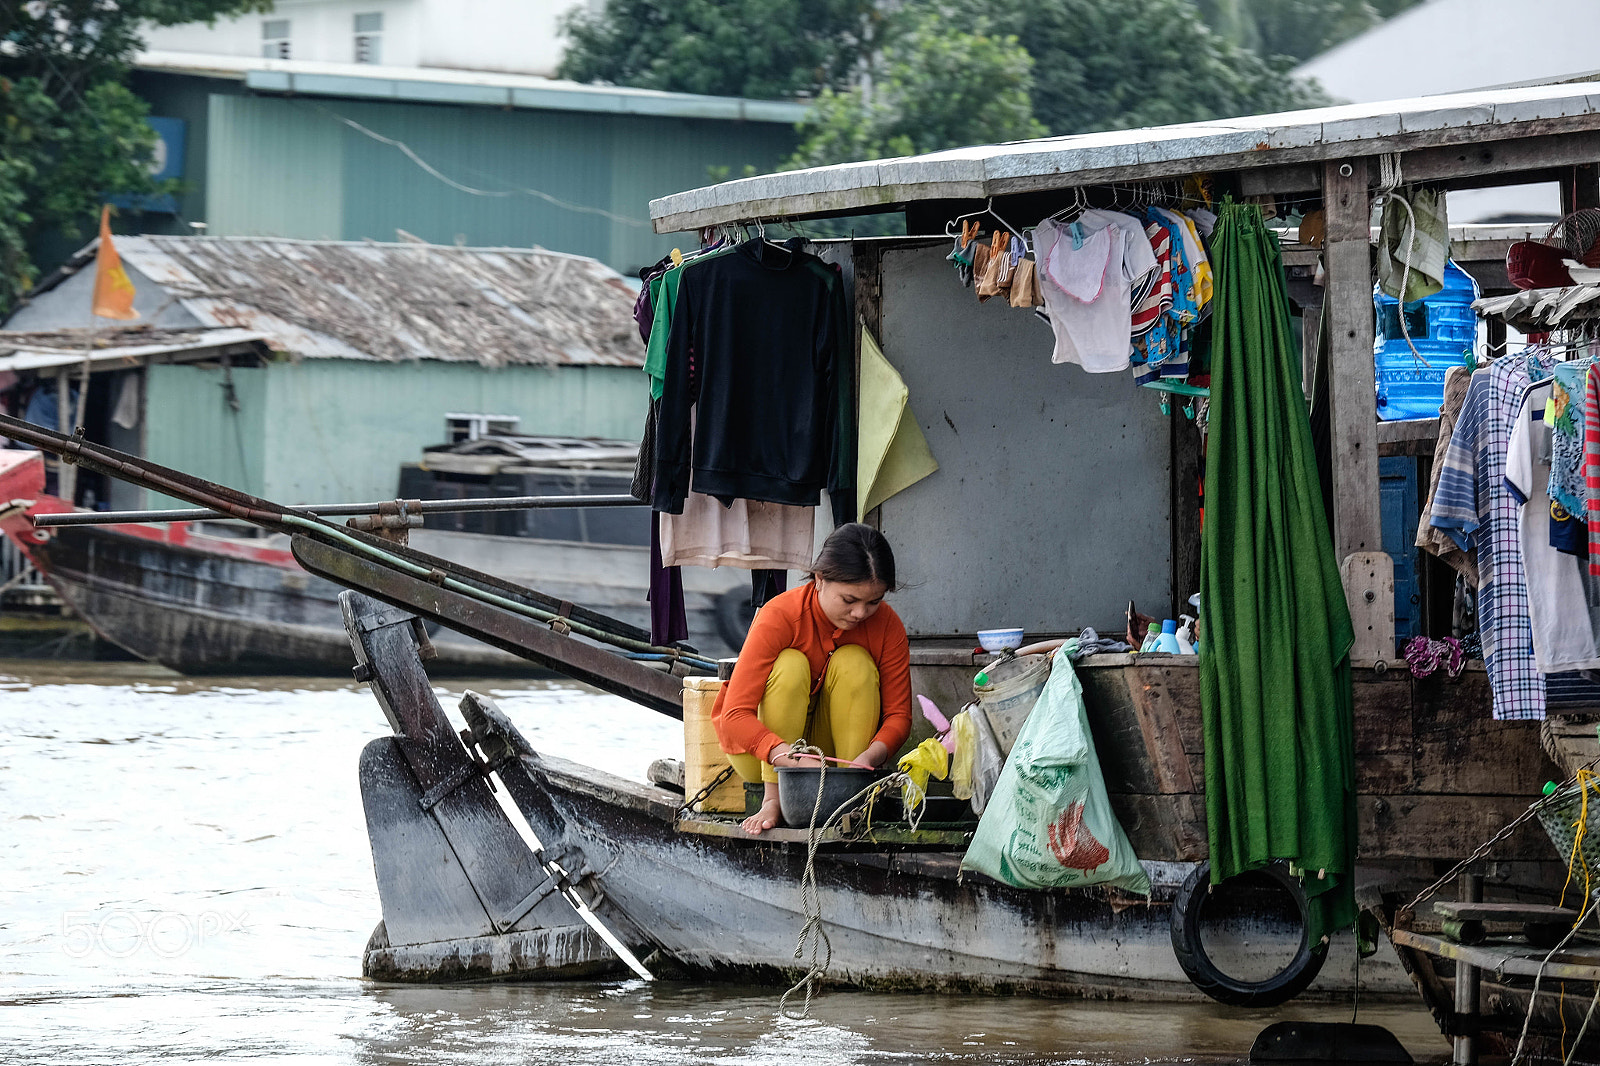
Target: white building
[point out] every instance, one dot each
(508, 36)
(1446, 46)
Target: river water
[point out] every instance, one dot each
(186, 879)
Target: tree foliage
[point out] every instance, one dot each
(766, 49)
(1110, 64)
(1299, 29)
(921, 75)
(941, 86)
(71, 133)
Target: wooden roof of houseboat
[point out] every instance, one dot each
(1477, 134)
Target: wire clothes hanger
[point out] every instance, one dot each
(987, 209)
(1079, 204)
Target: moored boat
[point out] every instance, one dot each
(224, 596)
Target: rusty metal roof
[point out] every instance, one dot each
(395, 302)
(117, 347)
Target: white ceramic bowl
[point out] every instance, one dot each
(998, 640)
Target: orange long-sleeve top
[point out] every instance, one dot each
(794, 619)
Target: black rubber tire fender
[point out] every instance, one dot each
(1282, 986)
(734, 615)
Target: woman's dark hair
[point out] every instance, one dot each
(854, 554)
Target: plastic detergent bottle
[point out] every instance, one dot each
(1168, 642)
(1151, 637)
(1186, 636)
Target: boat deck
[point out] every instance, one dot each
(1507, 957)
(880, 834)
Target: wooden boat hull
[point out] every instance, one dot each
(896, 920)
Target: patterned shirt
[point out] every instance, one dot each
(1591, 464)
(1472, 502)
(1566, 439)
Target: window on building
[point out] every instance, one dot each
(369, 38)
(460, 427)
(275, 38)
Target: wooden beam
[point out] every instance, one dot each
(1357, 526)
(1580, 187)
(1473, 162)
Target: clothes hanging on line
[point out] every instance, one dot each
(1435, 539)
(766, 328)
(766, 585)
(1591, 464)
(749, 534)
(1094, 331)
(669, 617)
(664, 300)
(1565, 416)
(1563, 598)
(1473, 504)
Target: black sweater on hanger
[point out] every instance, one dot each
(760, 350)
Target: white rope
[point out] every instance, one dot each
(812, 932)
(1538, 977)
(1584, 1028)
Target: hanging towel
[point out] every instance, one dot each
(1426, 250)
(1275, 683)
(893, 454)
(1431, 538)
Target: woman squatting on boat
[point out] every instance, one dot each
(827, 661)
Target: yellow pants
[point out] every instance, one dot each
(844, 714)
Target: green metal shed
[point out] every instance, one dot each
(343, 359)
(327, 152)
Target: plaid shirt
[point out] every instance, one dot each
(1474, 506)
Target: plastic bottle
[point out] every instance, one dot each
(1186, 635)
(1151, 637)
(1168, 642)
(1443, 327)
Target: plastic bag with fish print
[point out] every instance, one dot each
(1048, 823)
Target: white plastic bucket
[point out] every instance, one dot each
(1013, 688)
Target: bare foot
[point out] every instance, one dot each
(766, 818)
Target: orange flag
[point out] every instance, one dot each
(113, 292)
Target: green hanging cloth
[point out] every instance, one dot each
(1275, 686)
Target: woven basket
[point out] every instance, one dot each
(1559, 815)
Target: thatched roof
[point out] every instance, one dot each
(365, 300)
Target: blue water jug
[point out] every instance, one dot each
(1443, 327)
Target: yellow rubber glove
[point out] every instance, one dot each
(928, 759)
(964, 761)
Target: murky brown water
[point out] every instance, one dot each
(186, 879)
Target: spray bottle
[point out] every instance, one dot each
(1186, 635)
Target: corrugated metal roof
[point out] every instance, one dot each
(365, 300)
(1139, 154)
(435, 85)
(30, 350)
